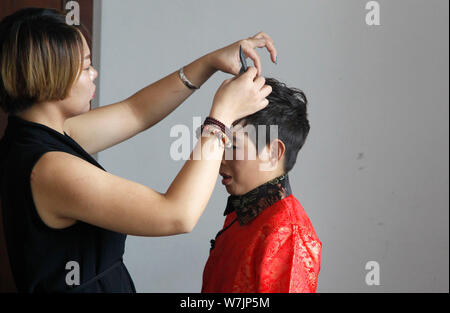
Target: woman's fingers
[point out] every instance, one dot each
(266, 91)
(264, 103)
(267, 41)
(260, 81)
(251, 72)
(273, 51)
(263, 35)
(260, 40)
(251, 53)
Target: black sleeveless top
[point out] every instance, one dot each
(80, 258)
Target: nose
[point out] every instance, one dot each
(223, 159)
(93, 73)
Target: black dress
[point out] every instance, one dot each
(44, 259)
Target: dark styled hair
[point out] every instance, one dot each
(287, 108)
(40, 58)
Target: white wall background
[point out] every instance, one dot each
(373, 175)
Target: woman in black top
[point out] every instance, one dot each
(66, 218)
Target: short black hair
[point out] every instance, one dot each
(287, 108)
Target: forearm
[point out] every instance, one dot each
(153, 103)
(190, 191)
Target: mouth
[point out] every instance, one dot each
(226, 179)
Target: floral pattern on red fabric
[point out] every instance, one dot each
(278, 251)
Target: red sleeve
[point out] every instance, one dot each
(288, 260)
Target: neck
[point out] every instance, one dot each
(277, 173)
(268, 176)
(45, 114)
(250, 205)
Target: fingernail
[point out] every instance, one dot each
(276, 60)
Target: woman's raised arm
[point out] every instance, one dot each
(67, 189)
(115, 123)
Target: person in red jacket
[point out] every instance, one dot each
(267, 243)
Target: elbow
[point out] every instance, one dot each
(187, 227)
(181, 226)
(183, 222)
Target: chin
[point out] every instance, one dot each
(234, 192)
(230, 190)
(88, 107)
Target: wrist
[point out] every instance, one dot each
(197, 72)
(210, 63)
(223, 118)
(215, 130)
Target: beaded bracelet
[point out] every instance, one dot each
(216, 131)
(211, 129)
(213, 121)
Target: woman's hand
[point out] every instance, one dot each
(227, 59)
(240, 96)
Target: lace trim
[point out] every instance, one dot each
(250, 205)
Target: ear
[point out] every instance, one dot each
(277, 149)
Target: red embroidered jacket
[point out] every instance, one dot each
(278, 251)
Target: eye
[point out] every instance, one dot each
(88, 68)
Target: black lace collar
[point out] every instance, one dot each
(251, 204)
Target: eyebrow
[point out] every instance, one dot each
(87, 57)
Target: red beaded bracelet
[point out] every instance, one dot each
(212, 129)
(225, 129)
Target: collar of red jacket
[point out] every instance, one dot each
(251, 204)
